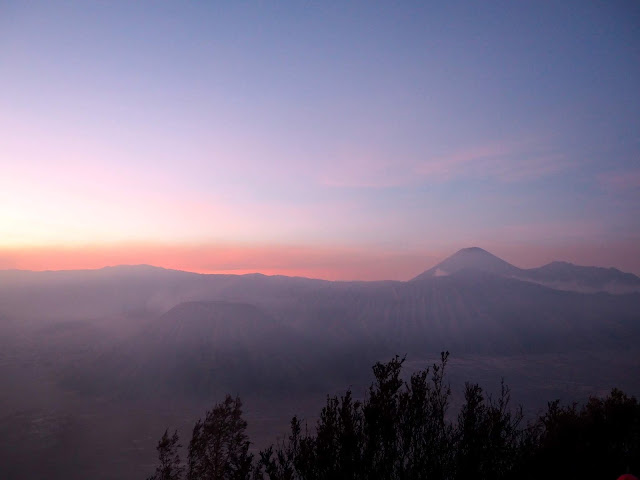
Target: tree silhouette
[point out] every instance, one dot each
(398, 431)
(599, 440)
(402, 431)
(170, 467)
(489, 440)
(219, 447)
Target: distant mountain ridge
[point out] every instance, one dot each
(127, 289)
(557, 275)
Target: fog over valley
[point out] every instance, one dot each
(95, 362)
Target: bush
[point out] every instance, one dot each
(403, 431)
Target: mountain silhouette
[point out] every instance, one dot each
(473, 258)
(567, 276)
(557, 275)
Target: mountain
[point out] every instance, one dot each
(146, 328)
(567, 276)
(308, 334)
(198, 348)
(201, 349)
(127, 289)
(473, 258)
(557, 275)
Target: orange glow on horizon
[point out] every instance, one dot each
(312, 262)
(325, 262)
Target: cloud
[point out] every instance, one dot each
(620, 180)
(457, 163)
(501, 161)
(366, 169)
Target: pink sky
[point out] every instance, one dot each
(330, 140)
(331, 263)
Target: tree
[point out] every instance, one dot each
(402, 431)
(398, 432)
(219, 447)
(599, 440)
(170, 467)
(427, 445)
(289, 458)
(489, 440)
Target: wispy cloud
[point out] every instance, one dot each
(366, 169)
(620, 179)
(456, 163)
(501, 161)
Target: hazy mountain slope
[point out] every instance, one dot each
(135, 290)
(202, 347)
(474, 311)
(472, 258)
(206, 348)
(129, 289)
(566, 276)
(558, 275)
(93, 293)
(199, 333)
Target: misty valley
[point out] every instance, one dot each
(96, 364)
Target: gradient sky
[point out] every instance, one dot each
(332, 139)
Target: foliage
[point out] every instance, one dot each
(170, 467)
(403, 430)
(218, 450)
(599, 440)
(219, 445)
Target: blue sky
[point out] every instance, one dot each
(400, 128)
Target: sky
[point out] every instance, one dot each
(339, 140)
